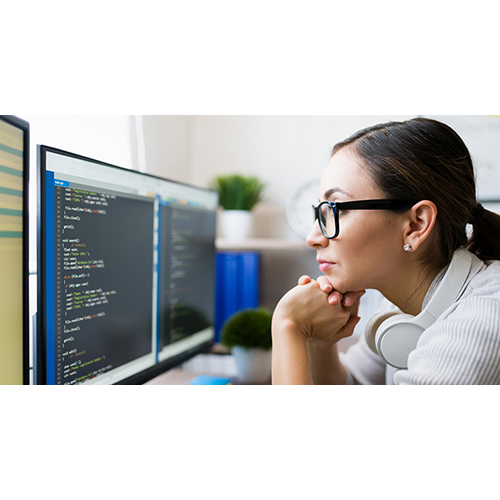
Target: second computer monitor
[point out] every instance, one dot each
(127, 271)
(14, 310)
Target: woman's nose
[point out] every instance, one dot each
(315, 237)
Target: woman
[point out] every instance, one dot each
(421, 176)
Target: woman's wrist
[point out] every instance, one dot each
(290, 364)
(283, 323)
(326, 367)
(319, 345)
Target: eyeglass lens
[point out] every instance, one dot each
(327, 219)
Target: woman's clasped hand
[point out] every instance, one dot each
(317, 311)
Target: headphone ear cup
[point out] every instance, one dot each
(396, 338)
(372, 326)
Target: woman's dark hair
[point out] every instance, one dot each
(424, 159)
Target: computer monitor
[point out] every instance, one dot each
(126, 271)
(14, 267)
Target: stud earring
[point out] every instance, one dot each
(407, 247)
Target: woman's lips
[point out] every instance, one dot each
(324, 265)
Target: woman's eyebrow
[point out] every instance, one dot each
(335, 190)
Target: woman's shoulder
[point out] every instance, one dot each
(486, 282)
(475, 316)
(480, 301)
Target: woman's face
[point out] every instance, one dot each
(368, 249)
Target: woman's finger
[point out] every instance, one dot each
(350, 298)
(324, 284)
(304, 280)
(348, 329)
(334, 298)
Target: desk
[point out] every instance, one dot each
(221, 365)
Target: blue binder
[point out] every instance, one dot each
(237, 285)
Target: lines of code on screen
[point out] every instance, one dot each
(103, 282)
(187, 277)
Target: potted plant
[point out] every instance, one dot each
(238, 194)
(248, 334)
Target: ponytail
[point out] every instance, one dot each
(485, 238)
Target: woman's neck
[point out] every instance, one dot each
(408, 294)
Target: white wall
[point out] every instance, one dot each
(167, 141)
(284, 151)
(105, 138)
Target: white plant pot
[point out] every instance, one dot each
(254, 365)
(236, 225)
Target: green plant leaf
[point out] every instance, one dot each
(237, 192)
(249, 328)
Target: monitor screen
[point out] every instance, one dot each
(126, 271)
(14, 307)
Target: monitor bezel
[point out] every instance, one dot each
(142, 376)
(24, 126)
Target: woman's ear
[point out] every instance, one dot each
(419, 223)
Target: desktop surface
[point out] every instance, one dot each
(199, 369)
(217, 363)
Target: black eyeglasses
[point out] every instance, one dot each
(327, 212)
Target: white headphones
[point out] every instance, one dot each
(397, 336)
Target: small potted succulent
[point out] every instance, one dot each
(248, 334)
(238, 194)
